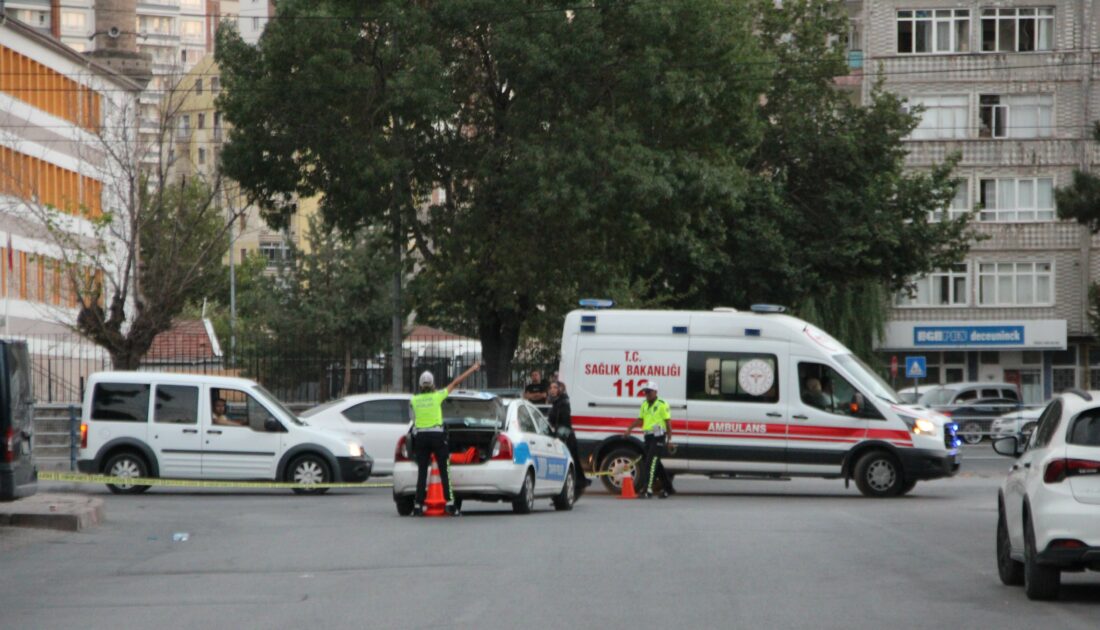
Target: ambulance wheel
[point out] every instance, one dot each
(404, 505)
(525, 502)
(563, 502)
(878, 475)
(907, 487)
(617, 462)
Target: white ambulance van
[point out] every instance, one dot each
(754, 394)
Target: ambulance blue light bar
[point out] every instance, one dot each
(679, 330)
(588, 328)
(596, 303)
(768, 308)
(752, 332)
(588, 319)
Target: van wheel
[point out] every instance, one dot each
(568, 495)
(878, 475)
(1040, 582)
(618, 462)
(404, 504)
(308, 469)
(525, 502)
(126, 465)
(1010, 571)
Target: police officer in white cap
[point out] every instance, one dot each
(430, 439)
(655, 420)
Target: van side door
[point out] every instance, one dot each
(823, 425)
(174, 434)
(736, 407)
(236, 444)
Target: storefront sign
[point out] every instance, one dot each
(1048, 333)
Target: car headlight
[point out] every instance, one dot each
(356, 450)
(924, 426)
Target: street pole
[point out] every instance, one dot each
(232, 290)
(397, 368)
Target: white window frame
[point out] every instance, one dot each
(1017, 213)
(960, 204)
(923, 289)
(1010, 106)
(935, 18)
(1001, 17)
(945, 116)
(996, 270)
(74, 20)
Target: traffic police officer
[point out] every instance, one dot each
(654, 418)
(430, 439)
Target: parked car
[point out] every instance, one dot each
(975, 419)
(971, 405)
(1013, 422)
(376, 420)
(500, 451)
(186, 426)
(18, 472)
(1048, 508)
(964, 393)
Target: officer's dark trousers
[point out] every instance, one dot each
(575, 451)
(651, 464)
(425, 445)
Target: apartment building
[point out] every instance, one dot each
(1008, 85)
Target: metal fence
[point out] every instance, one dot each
(298, 370)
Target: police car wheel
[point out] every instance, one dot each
(525, 502)
(404, 505)
(971, 433)
(568, 496)
(308, 469)
(878, 475)
(618, 462)
(126, 465)
(1010, 571)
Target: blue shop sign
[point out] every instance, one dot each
(968, 336)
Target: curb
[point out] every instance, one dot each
(65, 512)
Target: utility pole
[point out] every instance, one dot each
(397, 366)
(232, 288)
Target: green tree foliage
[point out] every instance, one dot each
(1080, 202)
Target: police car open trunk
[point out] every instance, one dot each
(473, 426)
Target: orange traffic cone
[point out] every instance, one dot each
(628, 486)
(435, 502)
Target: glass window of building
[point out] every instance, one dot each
(929, 31)
(1017, 199)
(1015, 284)
(959, 206)
(1016, 116)
(946, 287)
(1017, 29)
(940, 117)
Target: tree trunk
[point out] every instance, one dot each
(347, 372)
(499, 337)
(125, 358)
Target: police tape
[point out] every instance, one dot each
(612, 473)
(197, 483)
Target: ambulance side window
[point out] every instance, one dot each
(822, 387)
(733, 377)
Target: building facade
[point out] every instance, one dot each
(1009, 86)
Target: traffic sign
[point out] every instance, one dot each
(915, 367)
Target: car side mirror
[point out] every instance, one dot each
(271, 425)
(1007, 446)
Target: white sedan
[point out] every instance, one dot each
(1049, 505)
(377, 421)
(1014, 422)
(500, 451)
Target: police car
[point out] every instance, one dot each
(500, 451)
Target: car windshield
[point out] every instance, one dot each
(312, 411)
(866, 378)
(938, 396)
(485, 413)
(909, 398)
(274, 402)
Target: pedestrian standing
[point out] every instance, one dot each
(429, 438)
(561, 418)
(655, 420)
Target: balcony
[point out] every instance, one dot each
(984, 68)
(1043, 152)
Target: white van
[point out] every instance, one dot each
(752, 394)
(150, 424)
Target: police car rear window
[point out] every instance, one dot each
(474, 414)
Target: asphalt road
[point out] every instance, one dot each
(735, 554)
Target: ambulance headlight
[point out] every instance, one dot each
(924, 426)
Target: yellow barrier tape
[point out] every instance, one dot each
(196, 483)
(609, 473)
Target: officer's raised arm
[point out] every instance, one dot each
(461, 377)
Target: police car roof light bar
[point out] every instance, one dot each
(768, 308)
(596, 303)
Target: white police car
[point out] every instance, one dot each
(500, 451)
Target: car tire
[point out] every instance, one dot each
(879, 475)
(126, 464)
(309, 469)
(621, 458)
(971, 432)
(565, 499)
(1040, 582)
(404, 504)
(1010, 571)
(525, 502)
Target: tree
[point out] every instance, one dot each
(1080, 201)
(156, 244)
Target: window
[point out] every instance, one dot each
(541, 423)
(155, 24)
(275, 253)
(198, 90)
(120, 402)
(185, 126)
(255, 23)
(733, 377)
(1064, 372)
(1094, 368)
(933, 31)
(202, 121)
(176, 404)
(1017, 199)
(242, 407)
(1017, 30)
(1015, 284)
(940, 288)
(526, 421)
(940, 117)
(202, 156)
(215, 85)
(824, 388)
(191, 28)
(1018, 116)
(379, 412)
(1086, 429)
(1047, 423)
(217, 125)
(959, 206)
(72, 20)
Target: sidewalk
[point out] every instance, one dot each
(67, 512)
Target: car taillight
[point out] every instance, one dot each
(84, 435)
(401, 453)
(946, 413)
(1067, 543)
(1059, 469)
(9, 445)
(502, 450)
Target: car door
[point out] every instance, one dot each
(175, 431)
(823, 426)
(551, 463)
(736, 417)
(379, 424)
(244, 450)
(530, 444)
(1026, 469)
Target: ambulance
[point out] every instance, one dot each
(756, 394)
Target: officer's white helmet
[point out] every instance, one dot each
(651, 385)
(427, 380)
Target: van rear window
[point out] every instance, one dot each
(733, 377)
(120, 402)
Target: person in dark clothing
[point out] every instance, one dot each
(535, 392)
(561, 418)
